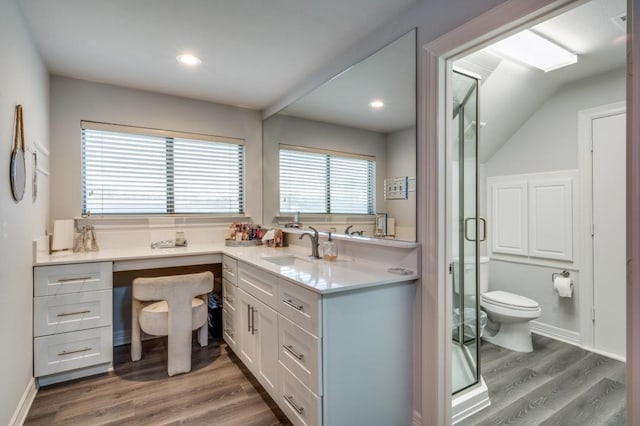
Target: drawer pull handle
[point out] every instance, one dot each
(293, 305)
(66, 280)
(289, 399)
(66, 314)
(73, 352)
(292, 351)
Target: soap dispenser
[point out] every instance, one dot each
(329, 249)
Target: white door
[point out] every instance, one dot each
(609, 240)
(266, 329)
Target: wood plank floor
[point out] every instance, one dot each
(219, 390)
(556, 384)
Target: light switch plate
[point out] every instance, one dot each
(396, 188)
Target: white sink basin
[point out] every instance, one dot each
(285, 260)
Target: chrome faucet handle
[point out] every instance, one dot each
(314, 242)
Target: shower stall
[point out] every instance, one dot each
(467, 231)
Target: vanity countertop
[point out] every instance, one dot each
(291, 263)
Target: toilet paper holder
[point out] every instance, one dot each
(565, 274)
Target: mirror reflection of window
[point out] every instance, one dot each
(316, 181)
(368, 109)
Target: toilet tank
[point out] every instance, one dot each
(484, 274)
(469, 275)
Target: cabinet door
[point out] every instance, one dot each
(246, 340)
(265, 328)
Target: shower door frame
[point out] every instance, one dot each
(463, 220)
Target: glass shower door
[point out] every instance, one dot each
(465, 232)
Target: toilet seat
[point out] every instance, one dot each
(508, 300)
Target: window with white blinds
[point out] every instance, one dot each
(130, 170)
(326, 182)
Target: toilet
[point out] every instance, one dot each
(509, 314)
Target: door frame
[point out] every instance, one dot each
(585, 167)
(435, 61)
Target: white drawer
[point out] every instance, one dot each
(258, 283)
(230, 269)
(71, 312)
(229, 294)
(68, 351)
(300, 305)
(299, 351)
(299, 404)
(73, 278)
(229, 329)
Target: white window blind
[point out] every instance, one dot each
(128, 170)
(323, 182)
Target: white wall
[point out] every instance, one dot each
(548, 141)
(281, 129)
(75, 100)
(401, 161)
(23, 80)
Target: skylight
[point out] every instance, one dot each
(532, 49)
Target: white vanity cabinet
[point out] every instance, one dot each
(336, 358)
(72, 321)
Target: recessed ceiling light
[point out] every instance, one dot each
(189, 59)
(376, 104)
(535, 50)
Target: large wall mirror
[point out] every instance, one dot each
(343, 157)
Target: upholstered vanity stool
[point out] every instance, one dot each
(175, 312)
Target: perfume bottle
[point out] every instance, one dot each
(329, 249)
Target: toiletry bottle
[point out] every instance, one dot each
(329, 249)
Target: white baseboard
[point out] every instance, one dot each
(20, 415)
(605, 353)
(417, 419)
(557, 333)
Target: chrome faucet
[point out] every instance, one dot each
(314, 242)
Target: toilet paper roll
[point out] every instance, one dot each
(564, 286)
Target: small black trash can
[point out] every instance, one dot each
(215, 316)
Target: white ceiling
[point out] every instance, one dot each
(253, 52)
(388, 75)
